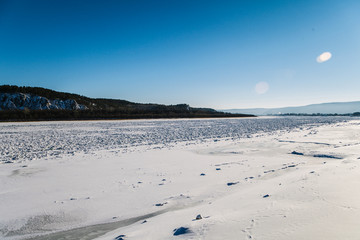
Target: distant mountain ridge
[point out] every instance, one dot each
(321, 108)
(34, 103)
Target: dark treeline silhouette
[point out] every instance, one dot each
(100, 108)
(32, 115)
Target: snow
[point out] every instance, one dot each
(37, 140)
(143, 179)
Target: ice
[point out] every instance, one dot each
(38, 140)
(142, 179)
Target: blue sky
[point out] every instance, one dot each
(204, 53)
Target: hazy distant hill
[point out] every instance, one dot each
(322, 108)
(33, 103)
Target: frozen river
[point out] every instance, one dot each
(249, 178)
(34, 140)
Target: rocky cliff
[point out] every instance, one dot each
(21, 101)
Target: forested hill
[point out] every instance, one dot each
(35, 103)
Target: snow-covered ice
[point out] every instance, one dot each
(45, 140)
(260, 178)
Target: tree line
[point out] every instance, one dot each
(101, 108)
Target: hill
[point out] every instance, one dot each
(322, 108)
(35, 103)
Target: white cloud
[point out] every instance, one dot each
(261, 87)
(325, 56)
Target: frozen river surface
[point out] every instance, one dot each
(34, 140)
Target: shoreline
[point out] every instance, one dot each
(127, 119)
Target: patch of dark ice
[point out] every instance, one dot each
(232, 183)
(297, 153)
(181, 231)
(120, 237)
(326, 156)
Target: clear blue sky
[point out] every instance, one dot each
(204, 53)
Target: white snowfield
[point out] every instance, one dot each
(262, 178)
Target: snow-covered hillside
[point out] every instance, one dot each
(21, 101)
